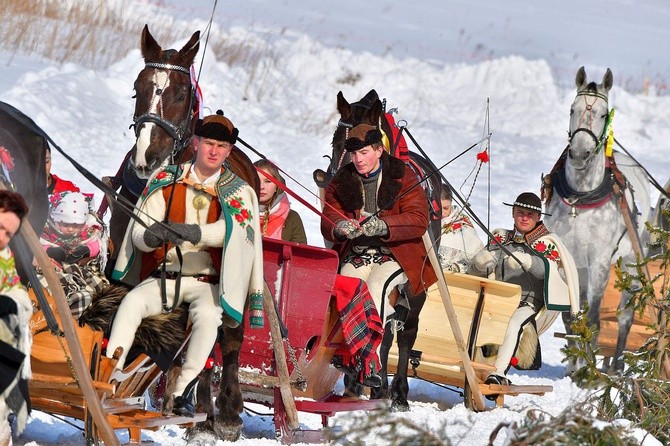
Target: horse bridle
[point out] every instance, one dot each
(599, 141)
(177, 132)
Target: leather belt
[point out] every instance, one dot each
(172, 275)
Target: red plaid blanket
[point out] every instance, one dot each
(361, 326)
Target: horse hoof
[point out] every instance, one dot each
(200, 437)
(228, 431)
(399, 406)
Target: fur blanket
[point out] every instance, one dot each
(159, 336)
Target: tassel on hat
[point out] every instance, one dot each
(216, 127)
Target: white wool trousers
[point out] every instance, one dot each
(144, 300)
(381, 278)
(521, 316)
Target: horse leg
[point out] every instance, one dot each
(203, 433)
(228, 424)
(406, 338)
(387, 340)
(625, 321)
(572, 365)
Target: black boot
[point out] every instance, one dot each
(184, 404)
(496, 379)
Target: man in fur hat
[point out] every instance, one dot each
(387, 249)
(538, 262)
(201, 244)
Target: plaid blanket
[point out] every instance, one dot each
(361, 326)
(80, 283)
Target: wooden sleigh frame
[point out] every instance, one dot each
(71, 377)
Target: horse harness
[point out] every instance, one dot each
(614, 183)
(179, 131)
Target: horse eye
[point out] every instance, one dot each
(159, 91)
(134, 96)
(572, 111)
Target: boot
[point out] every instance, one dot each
(496, 379)
(184, 404)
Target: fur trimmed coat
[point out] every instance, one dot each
(407, 218)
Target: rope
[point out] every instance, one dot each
(204, 49)
(651, 179)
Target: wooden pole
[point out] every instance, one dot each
(280, 360)
(470, 376)
(93, 404)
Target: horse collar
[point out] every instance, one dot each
(590, 199)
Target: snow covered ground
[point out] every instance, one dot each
(439, 63)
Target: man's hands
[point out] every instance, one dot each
(347, 229)
(375, 227)
(525, 259)
(175, 233)
(484, 261)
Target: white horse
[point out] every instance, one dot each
(586, 212)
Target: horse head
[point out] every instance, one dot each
(589, 115)
(366, 111)
(165, 99)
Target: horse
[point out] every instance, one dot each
(163, 122)
(369, 110)
(590, 194)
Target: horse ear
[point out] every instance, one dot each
(188, 52)
(580, 79)
(608, 80)
(343, 105)
(370, 97)
(150, 48)
(376, 111)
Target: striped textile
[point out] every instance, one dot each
(361, 326)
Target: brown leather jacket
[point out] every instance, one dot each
(407, 218)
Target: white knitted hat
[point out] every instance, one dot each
(71, 207)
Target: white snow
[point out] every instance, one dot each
(439, 62)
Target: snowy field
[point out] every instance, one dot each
(439, 62)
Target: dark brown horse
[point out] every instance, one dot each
(369, 110)
(163, 123)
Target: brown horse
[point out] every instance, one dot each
(163, 123)
(369, 110)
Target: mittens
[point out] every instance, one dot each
(346, 229)
(189, 232)
(57, 253)
(375, 227)
(78, 253)
(525, 259)
(154, 235)
(484, 261)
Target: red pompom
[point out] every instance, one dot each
(483, 156)
(514, 361)
(105, 341)
(209, 364)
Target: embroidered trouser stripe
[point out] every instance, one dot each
(520, 317)
(381, 279)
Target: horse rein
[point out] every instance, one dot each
(599, 142)
(177, 132)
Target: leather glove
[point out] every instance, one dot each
(154, 235)
(78, 253)
(189, 232)
(526, 261)
(57, 253)
(346, 229)
(375, 226)
(484, 261)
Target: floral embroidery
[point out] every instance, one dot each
(242, 215)
(548, 250)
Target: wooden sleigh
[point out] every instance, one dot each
(299, 281)
(105, 399)
(483, 309)
(640, 330)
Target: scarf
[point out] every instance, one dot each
(273, 216)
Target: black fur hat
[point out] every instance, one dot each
(528, 200)
(361, 136)
(216, 127)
